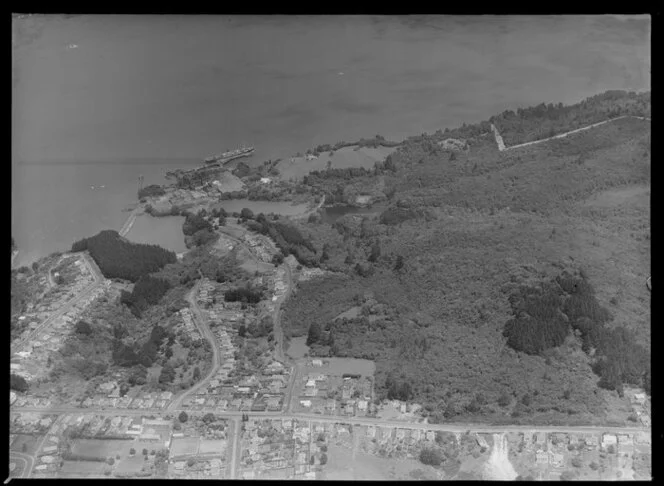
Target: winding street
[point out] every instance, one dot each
(26, 461)
(98, 278)
(201, 323)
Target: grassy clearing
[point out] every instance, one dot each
(340, 159)
(181, 446)
(101, 448)
(77, 469)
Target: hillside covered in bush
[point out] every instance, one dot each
(468, 287)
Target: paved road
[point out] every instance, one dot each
(235, 452)
(97, 280)
(278, 330)
(276, 315)
(202, 324)
(24, 464)
(452, 427)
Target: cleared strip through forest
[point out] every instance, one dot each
(502, 147)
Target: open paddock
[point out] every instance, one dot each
(25, 443)
(339, 366)
(130, 465)
(82, 468)
(183, 446)
(344, 465)
(213, 447)
(102, 448)
(352, 156)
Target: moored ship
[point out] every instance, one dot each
(229, 155)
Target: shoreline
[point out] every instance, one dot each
(131, 219)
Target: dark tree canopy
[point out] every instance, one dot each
(18, 383)
(119, 258)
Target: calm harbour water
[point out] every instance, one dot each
(98, 100)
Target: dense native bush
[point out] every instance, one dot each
(153, 190)
(543, 121)
(194, 223)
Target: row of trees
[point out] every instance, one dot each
(119, 258)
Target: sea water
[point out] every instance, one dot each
(100, 100)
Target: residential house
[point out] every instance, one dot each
(557, 460)
(541, 457)
(305, 403)
(430, 435)
(362, 405)
(481, 441)
(316, 362)
(107, 387)
(273, 403)
(625, 439)
(608, 440)
(592, 441)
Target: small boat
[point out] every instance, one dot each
(92, 187)
(102, 187)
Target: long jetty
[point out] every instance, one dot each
(126, 227)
